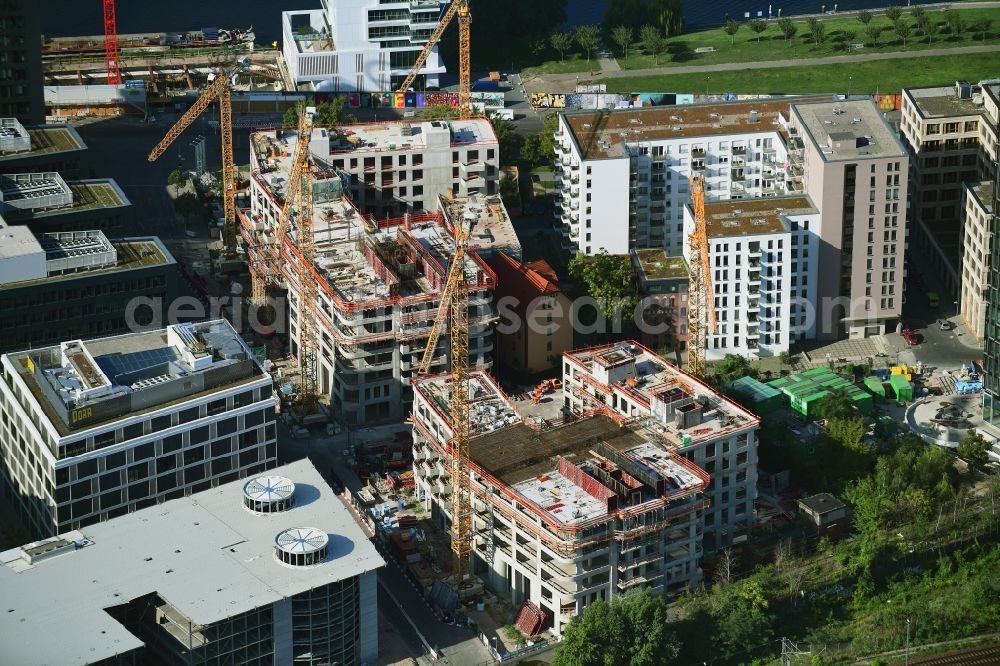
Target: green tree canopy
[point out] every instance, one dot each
(758, 26)
(176, 178)
(788, 28)
(865, 16)
(974, 449)
(732, 367)
(629, 631)
(731, 27)
(188, 205)
(588, 37)
(622, 35)
(664, 14)
(892, 12)
(562, 42)
(652, 40)
(327, 114)
(607, 278)
(836, 404)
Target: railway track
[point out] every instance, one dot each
(987, 655)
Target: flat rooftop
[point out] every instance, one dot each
(658, 265)
(848, 130)
(375, 138)
(486, 218)
(130, 253)
(605, 134)
(984, 193)
(749, 217)
(942, 102)
(49, 140)
(205, 556)
(84, 384)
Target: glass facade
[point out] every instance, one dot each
(991, 346)
(325, 625)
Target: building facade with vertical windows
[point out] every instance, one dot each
(21, 61)
(977, 217)
(96, 429)
(267, 570)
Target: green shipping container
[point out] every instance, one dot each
(902, 388)
(874, 384)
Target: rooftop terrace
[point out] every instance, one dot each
(205, 557)
(848, 130)
(604, 134)
(984, 193)
(943, 102)
(748, 217)
(658, 265)
(401, 136)
(48, 140)
(81, 385)
(490, 228)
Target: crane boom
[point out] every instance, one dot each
(218, 89)
(442, 315)
(460, 8)
(304, 239)
(701, 297)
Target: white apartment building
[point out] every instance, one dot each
(93, 430)
(398, 167)
(625, 174)
(568, 509)
(266, 570)
(381, 278)
(764, 258)
(690, 420)
(361, 45)
(977, 215)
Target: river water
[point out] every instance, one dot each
(68, 18)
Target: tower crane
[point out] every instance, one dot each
(701, 297)
(305, 241)
(220, 88)
(454, 311)
(111, 43)
(460, 8)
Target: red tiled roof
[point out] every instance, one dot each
(525, 282)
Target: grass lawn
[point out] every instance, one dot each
(574, 63)
(885, 76)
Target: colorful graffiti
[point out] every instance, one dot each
(888, 102)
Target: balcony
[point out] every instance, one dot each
(739, 150)
(697, 153)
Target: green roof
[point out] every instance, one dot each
(813, 382)
(756, 389)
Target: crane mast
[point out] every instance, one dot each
(701, 298)
(308, 394)
(111, 43)
(218, 89)
(461, 9)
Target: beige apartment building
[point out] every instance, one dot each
(975, 257)
(856, 175)
(951, 135)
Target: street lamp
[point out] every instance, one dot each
(707, 79)
(850, 81)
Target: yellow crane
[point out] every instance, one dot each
(461, 9)
(219, 88)
(701, 296)
(454, 311)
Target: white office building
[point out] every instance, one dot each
(361, 45)
(267, 570)
(91, 430)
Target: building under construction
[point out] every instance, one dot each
(570, 507)
(379, 283)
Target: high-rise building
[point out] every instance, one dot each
(56, 148)
(91, 430)
(46, 203)
(21, 61)
(267, 570)
(361, 45)
(381, 278)
(63, 286)
(977, 218)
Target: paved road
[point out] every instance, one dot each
(567, 82)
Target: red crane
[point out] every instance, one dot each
(111, 42)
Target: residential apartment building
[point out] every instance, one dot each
(951, 135)
(63, 286)
(21, 61)
(47, 148)
(692, 420)
(400, 167)
(567, 509)
(536, 324)
(645, 157)
(381, 278)
(267, 570)
(93, 430)
(361, 45)
(764, 258)
(855, 172)
(662, 281)
(976, 230)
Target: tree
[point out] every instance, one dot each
(956, 24)
(561, 42)
(982, 27)
(509, 140)
(848, 36)
(628, 13)
(731, 28)
(588, 37)
(607, 278)
(188, 205)
(902, 30)
(668, 14)
(327, 114)
(742, 617)
(892, 12)
(622, 36)
(731, 368)
(788, 28)
(652, 40)
(928, 27)
(873, 31)
(784, 358)
(176, 178)
(509, 191)
(726, 566)
(836, 404)
(758, 26)
(817, 30)
(918, 13)
(974, 449)
(440, 112)
(629, 631)
(865, 16)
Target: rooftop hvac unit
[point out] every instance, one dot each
(268, 494)
(301, 546)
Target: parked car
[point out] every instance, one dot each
(912, 339)
(944, 324)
